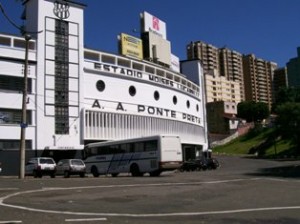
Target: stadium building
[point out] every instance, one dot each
(77, 95)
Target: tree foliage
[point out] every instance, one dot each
(288, 122)
(252, 111)
(285, 95)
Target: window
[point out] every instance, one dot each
(132, 91)
(5, 41)
(11, 116)
(123, 62)
(139, 147)
(188, 104)
(100, 85)
(61, 77)
(156, 95)
(91, 56)
(14, 144)
(151, 146)
(137, 66)
(22, 44)
(174, 100)
(108, 59)
(14, 83)
(149, 69)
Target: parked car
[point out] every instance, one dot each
(39, 166)
(67, 167)
(0, 167)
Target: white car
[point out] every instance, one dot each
(40, 166)
(67, 167)
(0, 167)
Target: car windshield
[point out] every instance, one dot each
(77, 162)
(46, 161)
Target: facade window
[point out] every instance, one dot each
(14, 83)
(100, 85)
(188, 104)
(11, 116)
(132, 91)
(197, 108)
(91, 56)
(22, 44)
(5, 41)
(61, 77)
(174, 100)
(14, 144)
(156, 95)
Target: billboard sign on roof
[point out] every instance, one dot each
(155, 25)
(131, 46)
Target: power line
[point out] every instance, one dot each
(20, 28)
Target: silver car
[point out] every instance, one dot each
(40, 166)
(67, 167)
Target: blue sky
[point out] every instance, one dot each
(267, 28)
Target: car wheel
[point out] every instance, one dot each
(66, 174)
(52, 175)
(82, 175)
(35, 174)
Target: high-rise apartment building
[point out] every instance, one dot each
(258, 77)
(207, 53)
(220, 66)
(218, 88)
(231, 67)
(280, 80)
(293, 70)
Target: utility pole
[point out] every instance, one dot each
(24, 112)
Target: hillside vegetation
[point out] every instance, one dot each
(261, 142)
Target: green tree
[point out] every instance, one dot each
(288, 122)
(285, 95)
(252, 111)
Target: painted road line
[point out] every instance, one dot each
(86, 220)
(10, 222)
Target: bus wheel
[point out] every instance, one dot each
(135, 170)
(114, 174)
(94, 171)
(155, 173)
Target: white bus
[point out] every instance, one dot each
(153, 155)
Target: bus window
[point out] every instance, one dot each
(139, 147)
(114, 149)
(126, 148)
(151, 146)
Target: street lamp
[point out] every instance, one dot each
(24, 111)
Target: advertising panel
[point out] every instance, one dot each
(175, 65)
(155, 25)
(131, 46)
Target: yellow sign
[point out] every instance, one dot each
(131, 46)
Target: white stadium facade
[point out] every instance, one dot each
(78, 95)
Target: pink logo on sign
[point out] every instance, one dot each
(155, 23)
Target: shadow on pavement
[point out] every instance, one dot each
(289, 171)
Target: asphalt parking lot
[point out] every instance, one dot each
(242, 190)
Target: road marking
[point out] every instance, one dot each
(10, 222)
(86, 220)
(144, 215)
